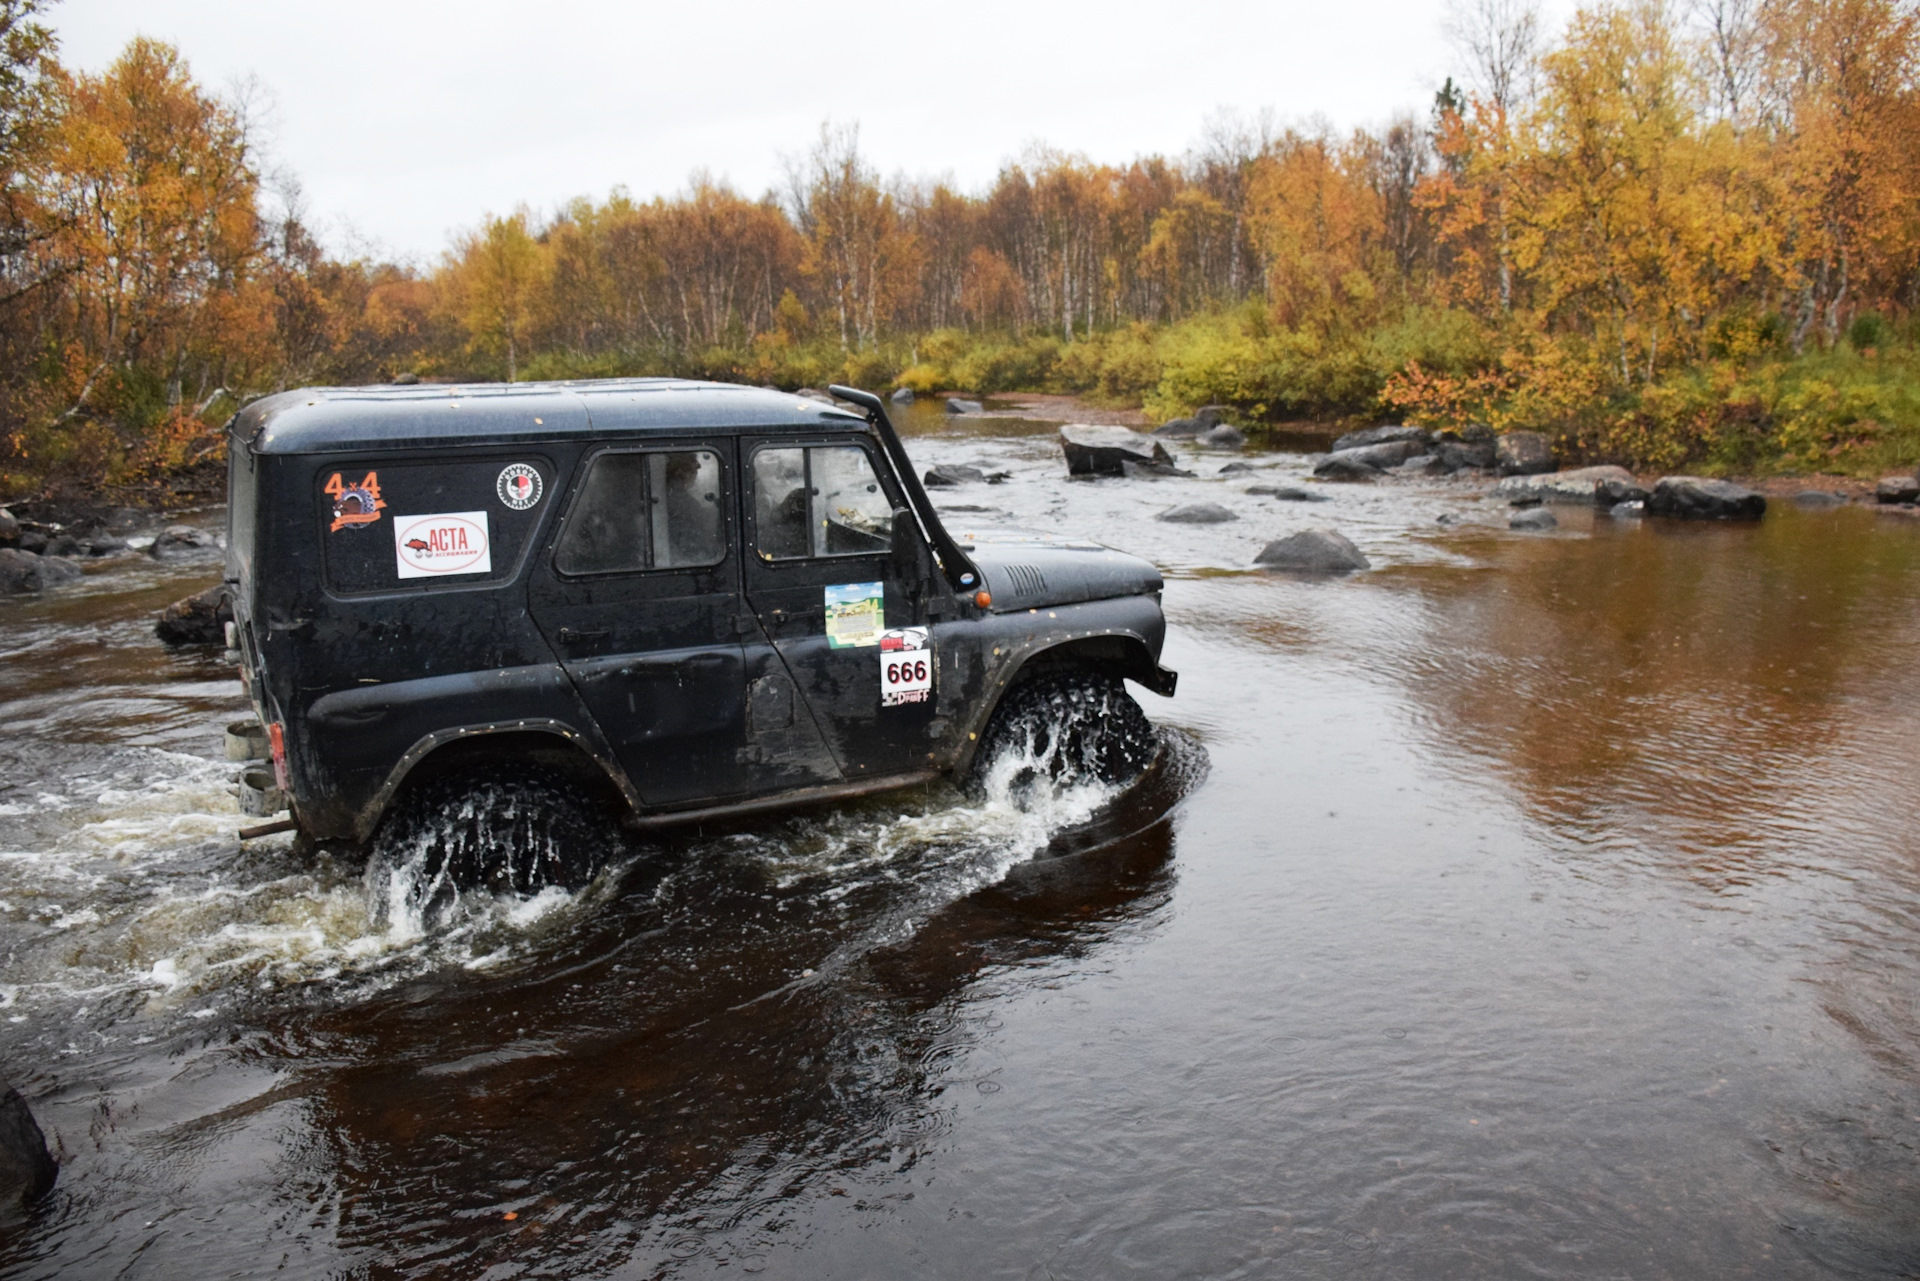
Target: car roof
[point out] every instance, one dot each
(325, 419)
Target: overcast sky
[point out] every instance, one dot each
(406, 120)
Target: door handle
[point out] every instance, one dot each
(569, 636)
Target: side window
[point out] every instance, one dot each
(818, 500)
(646, 511)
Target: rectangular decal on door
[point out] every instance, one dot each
(443, 544)
(906, 666)
(856, 614)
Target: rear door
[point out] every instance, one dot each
(847, 615)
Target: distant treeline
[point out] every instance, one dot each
(1667, 238)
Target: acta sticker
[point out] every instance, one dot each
(906, 666)
(436, 546)
(856, 614)
(519, 486)
(354, 504)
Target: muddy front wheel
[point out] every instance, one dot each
(1065, 728)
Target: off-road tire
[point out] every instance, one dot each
(1077, 726)
(502, 829)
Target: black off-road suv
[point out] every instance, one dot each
(650, 599)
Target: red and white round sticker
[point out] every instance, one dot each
(519, 486)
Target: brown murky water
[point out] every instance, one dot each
(1529, 906)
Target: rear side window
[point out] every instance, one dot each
(420, 526)
(646, 511)
(818, 500)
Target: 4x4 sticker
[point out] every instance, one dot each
(906, 666)
(519, 486)
(354, 504)
(448, 543)
(856, 614)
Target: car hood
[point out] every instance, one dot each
(1025, 572)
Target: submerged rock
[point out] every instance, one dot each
(955, 405)
(1389, 435)
(175, 539)
(904, 396)
(948, 475)
(200, 619)
(1601, 486)
(1234, 469)
(1197, 514)
(1221, 436)
(1696, 498)
(27, 1169)
(1345, 467)
(1818, 498)
(1533, 518)
(1313, 551)
(1897, 489)
(1288, 493)
(1523, 453)
(24, 571)
(1179, 429)
(1101, 451)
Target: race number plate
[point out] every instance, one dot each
(906, 666)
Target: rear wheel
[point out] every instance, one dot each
(498, 829)
(1066, 728)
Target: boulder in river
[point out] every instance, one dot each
(27, 1169)
(1464, 455)
(1197, 514)
(1210, 415)
(175, 539)
(200, 619)
(1523, 453)
(1313, 551)
(9, 528)
(1287, 493)
(1345, 467)
(947, 475)
(1533, 518)
(1816, 499)
(1897, 489)
(1383, 436)
(904, 396)
(1697, 498)
(1390, 453)
(1101, 451)
(955, 405)
(1599, 486)
(1222, 436)
(1178, 429)
(22, 571)
(1234, 469)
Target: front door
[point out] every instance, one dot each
(641, 600)
(846, 610)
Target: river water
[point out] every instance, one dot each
(1531, 905)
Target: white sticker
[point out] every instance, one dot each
(519, 486)
(435, 546)
(906, 666)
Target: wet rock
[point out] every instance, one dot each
(178, 539)
(1817, 499)
(1313, 551)
(200, 619)
(1464, 455)
(1367, 436)
(955, 405)
(1179, 429)
(1101, 451)
(27, 1169)
(1897, 489)
(32, 540)
(1387, 454)
(1598, 486)
(1147, 471)
(1523, 453)
(1197, 514)
(1696, 498)
(1222, 437)
(1288, 493)
(64, 544)
(948, 475)
(1420, 465)
(9, 527)
(904, 396)
(22, 571)
(1234, 469)
(1533, 518)
(1210, 415)
(1345, 467)
(105, 545)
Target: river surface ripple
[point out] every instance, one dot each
(1529, 906)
